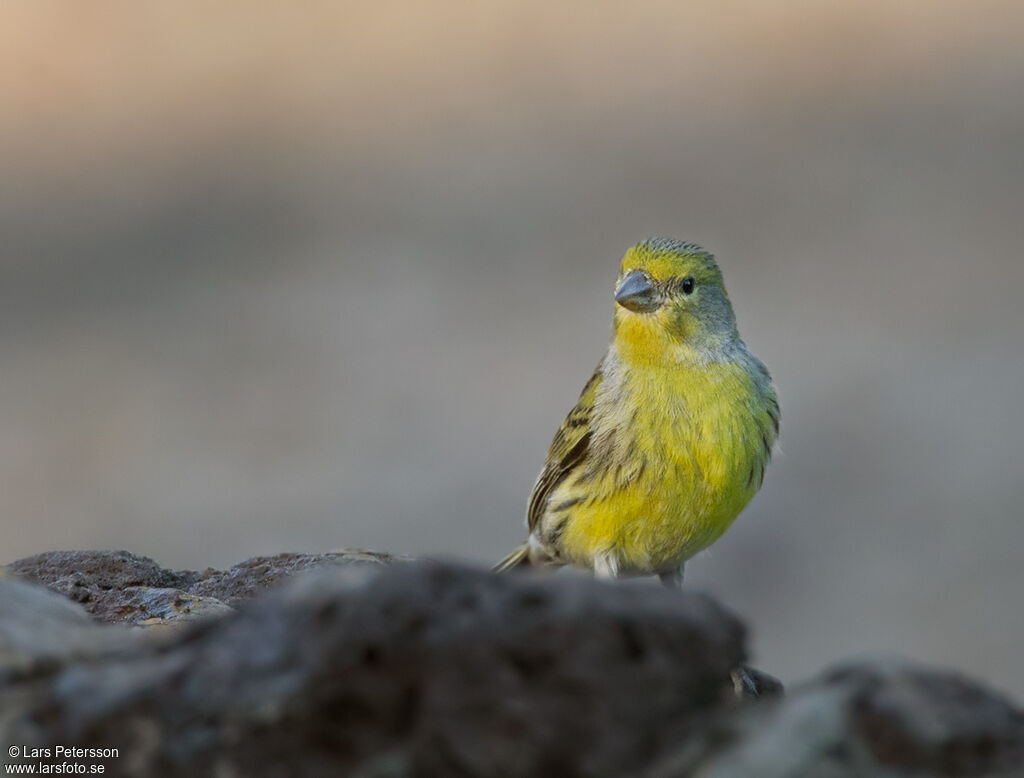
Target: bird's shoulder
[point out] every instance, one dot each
(765, 388)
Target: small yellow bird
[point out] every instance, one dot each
(671, 435)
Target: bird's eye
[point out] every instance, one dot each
(688, 285)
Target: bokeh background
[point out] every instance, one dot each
(297, 276)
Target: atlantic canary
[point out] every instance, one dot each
(671, 435)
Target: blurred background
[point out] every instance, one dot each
(303, 276)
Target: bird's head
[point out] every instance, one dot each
(671, 304)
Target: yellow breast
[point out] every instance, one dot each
(678, 453)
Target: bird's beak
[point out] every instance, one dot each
(637, 294)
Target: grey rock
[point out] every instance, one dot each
(255, 575)
(420, 669)
(146, 606)
(883, 717)
(108, 584)
(365, 669)
(66, 571)
(121, 587)
(40, 629)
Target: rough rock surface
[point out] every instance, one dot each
(121, 587)
(253, 576)
(420, 670)
(886, 717)
(439, 670)
(40, 629)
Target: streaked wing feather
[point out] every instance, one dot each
(567, 451)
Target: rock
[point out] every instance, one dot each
(110, 585)
(40, 629)
(78, 574)
(915, 720)
(120, 587)
(355, 667)
(886, 717)
(418, 669)
(144, 606)
(257, 574)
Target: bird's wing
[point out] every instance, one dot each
(568, 450)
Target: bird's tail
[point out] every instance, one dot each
(518, 558)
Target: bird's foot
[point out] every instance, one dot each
(749, 683)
